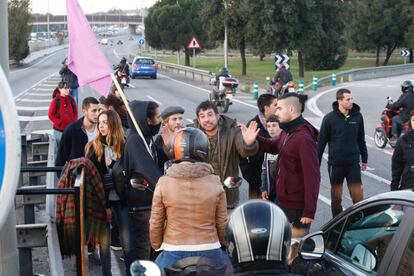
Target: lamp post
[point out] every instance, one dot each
(226, 63)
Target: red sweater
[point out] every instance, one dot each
(65, 115)
(297, 183)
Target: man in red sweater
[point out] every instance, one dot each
(62, 110)
(298, 175)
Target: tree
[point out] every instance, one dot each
(171, 25)
(215, 14)
(19, 30)
(331, 50)
(377, 25)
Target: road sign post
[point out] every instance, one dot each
(194, 45)
(315, 83)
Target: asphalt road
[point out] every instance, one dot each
(33, 86)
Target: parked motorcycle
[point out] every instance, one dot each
(383, 130)
(222, 93)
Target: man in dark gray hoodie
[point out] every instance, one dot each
(143, 172)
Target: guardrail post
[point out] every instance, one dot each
(315, 83)
(334, 78)
(301, 87)
(255, 90)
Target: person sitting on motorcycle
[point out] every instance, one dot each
(122, 69)
(223, 73)
(258, 237)
(406, 103)
(283, 76)
(189, 208)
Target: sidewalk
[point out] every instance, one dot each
(38, 54)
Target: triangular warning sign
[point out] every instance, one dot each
(194, 43)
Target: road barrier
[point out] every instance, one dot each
(255, 90)
(185, 71)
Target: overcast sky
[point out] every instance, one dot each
(89, 6)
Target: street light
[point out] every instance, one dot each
(226, 63)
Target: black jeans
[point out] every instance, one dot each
(140, 234)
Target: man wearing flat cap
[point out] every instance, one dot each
(172, 120)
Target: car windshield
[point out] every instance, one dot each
(144, 61)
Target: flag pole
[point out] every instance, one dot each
(124, 99)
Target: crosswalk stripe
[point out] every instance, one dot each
(32, 108)
(33, 118)
(34, 101)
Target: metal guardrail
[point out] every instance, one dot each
(188, 72)
(366, 74)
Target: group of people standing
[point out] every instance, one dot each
(181, 183)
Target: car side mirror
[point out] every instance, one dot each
(363, 257)
(312, 246)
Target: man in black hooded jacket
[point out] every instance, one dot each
(143, 172)
(343, 130)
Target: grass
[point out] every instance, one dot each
(259, 70)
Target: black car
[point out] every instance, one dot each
(373, 237)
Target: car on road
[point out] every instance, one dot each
(144, 67)
(104, 41)
(373, 237)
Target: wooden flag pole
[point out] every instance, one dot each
(124, 99)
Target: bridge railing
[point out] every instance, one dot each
(186, 71)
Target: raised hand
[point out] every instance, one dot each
(249, 133)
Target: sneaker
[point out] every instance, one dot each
(116, 247)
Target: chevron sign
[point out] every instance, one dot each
(282, 59)
(405, 53)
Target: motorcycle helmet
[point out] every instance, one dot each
(224, 70)
(407, 86)
(258, 230)
(123, 60)
(189, 144)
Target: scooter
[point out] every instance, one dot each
(222, 93)
(383, 134)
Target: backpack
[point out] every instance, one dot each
(120, 177)
(72, 103)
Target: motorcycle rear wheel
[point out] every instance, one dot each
(380, 138)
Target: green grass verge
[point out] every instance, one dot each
(259, 70)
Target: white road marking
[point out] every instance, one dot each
(30, 88)
(154, 100)
(33, 118)
(33, 108)
(42, 89)
(40, 95)
(130, 85)
(34, 101)
(37, 63)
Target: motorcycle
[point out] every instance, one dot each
(276, 89)
(122, 77)
(383, 134)
(223, 91)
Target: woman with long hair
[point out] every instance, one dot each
(104, 151)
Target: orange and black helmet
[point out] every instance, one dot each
(189, 144)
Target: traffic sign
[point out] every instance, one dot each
(10, 149)
(282, 59)
(405, 53)
(141, 41)
(194, 44)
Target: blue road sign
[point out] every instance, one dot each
(141, 41)
(10, 149)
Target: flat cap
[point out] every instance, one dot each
(171, 110)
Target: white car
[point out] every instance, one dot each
(104, 41)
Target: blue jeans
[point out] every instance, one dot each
(169, 258)
(74, 94)
(396, 125)
(123, 218)
(58, 137)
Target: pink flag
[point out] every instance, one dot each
(85, 57)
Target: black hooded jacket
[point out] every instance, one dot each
(345, 137)
(406, 103)
(403, 163)
(138, 162)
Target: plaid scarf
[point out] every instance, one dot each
(96, 218)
